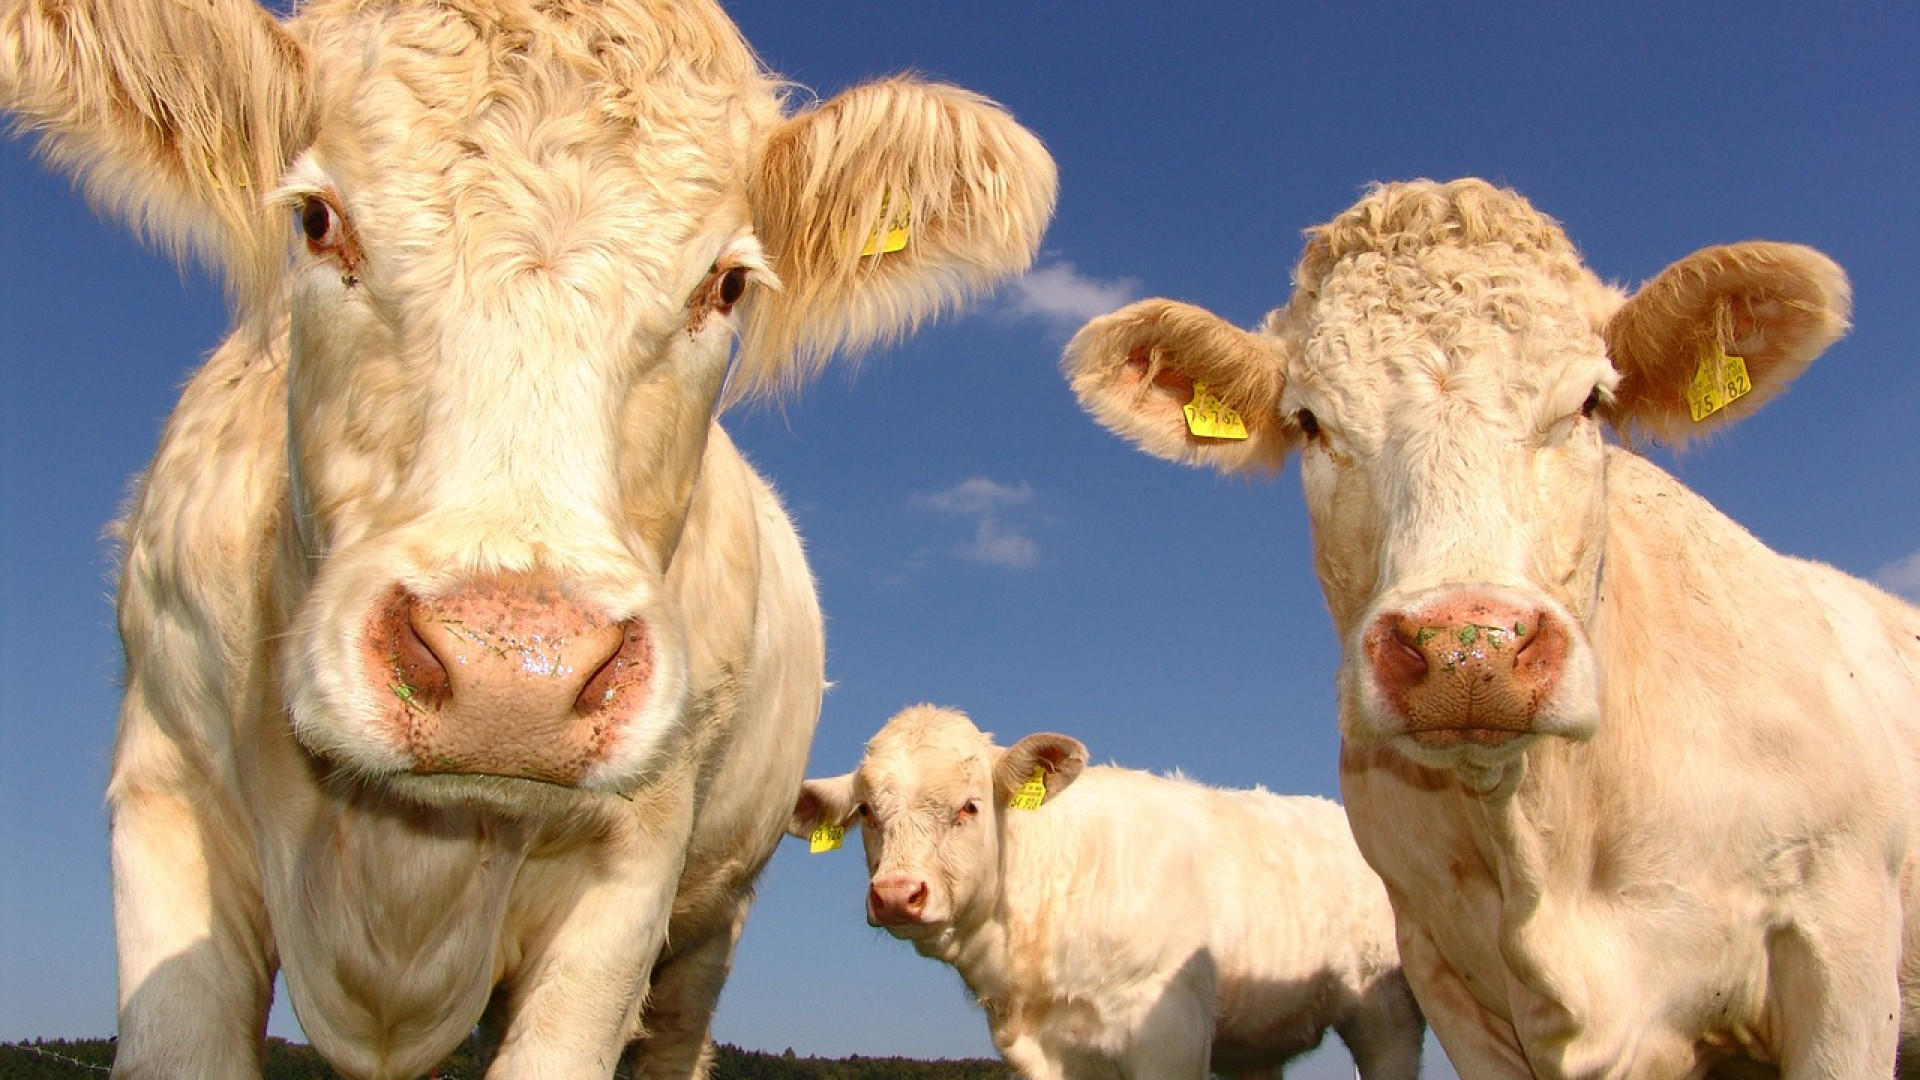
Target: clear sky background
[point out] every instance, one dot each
(978, 541)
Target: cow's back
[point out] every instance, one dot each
(1259, 903)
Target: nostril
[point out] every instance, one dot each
(628, 663)
(917, 900)
(420, 672)
(1397, 647)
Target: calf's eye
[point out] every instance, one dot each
(970, 809)
(1588, 407)
(1309, 423)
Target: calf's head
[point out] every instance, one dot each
(1442, 371)
(508, 254)
(930, 799)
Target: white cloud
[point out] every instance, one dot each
(1059, 295)
(1901, 578)
(1000, 517)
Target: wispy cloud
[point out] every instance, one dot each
(1001, 517)
(1062, 297)
(1902, 577)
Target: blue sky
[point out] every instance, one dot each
(980, 543)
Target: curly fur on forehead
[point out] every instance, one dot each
(492, 138)
(476, 52)
(924, 733)
(1459, 290)
(1407, 220)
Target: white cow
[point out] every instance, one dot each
(1138, 926)
(1644, 793)
(467, 661)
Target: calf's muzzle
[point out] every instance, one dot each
(896, 900)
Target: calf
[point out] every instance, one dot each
(1643, 792)
(469, 665)
(1137, 924)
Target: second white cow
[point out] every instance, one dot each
(1645, 794)
(1142, 926)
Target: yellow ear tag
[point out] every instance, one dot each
(896, 234)
(1031, 793)
(1719, 381)
(825, 838)
(1209, 418)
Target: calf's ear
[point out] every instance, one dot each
(1058, 758)
(1136, 372)
(884, 206)
(827, 801)
(1773, 306)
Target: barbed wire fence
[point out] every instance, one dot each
(619, 1073)
(57, 1056)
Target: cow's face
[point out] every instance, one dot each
(1443, 371)
(509, 324)
(523, 257)
(930, 799)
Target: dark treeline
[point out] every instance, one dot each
(89, 1059)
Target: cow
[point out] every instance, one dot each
(470, 669)
(1644, 793)
(1139, 926)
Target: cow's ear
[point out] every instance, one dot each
(175, 116)
(880, 208)
(1719, 333)
(1165, 375)
(826, 801)
(1057, 758)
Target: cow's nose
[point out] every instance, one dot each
(506, 675)
(896, 901)
(1466, 668)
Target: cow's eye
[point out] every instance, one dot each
(320, 223)
(732, 285)
(1309, 423)
(865, 812)
(1588, 407)
(969, 810)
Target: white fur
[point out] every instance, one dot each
(1703, 853)
(1134, 925)
(501, 355)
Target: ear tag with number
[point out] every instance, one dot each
(896, 233)
(825, 838)
(1031, 793)
(1210, 418)
(1718, 381)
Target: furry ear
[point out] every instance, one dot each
(1059, 758)
(177, 116)
(827, 801)
(1776, 306)
(881, 208)
(1135, 371)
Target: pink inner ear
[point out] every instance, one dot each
(1139, 361)
(1746, 324)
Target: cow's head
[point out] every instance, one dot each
(508, 254)
(1443, 370)
(930, 798)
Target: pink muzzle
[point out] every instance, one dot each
(506, 676)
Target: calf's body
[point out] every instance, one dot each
(1131, 924)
